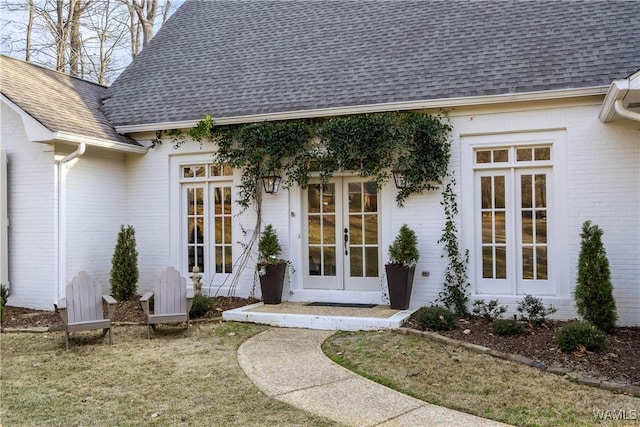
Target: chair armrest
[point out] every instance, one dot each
(144, 301)
(112, 303)
(62, 309)
(189, 300)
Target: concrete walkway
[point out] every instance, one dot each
(289, 365)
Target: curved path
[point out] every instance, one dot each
(289, 365)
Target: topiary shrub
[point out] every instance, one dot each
(200, 306)
(488, 311)
(124, 265)
(507, 327)
(594, 292)
(437, 318)
(532, 309)
(577, 333)
(404, 249)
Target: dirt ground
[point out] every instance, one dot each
(618, 362)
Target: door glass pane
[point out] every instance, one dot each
(227, 230)
(355, 229)
(499, 192)
(486, 192)
(501, 262)
(313, 198)
(500, 156)
(523, 154)
(315, 261)
(487, 262)
(500, 228)
(526, 195)
(527, 263)
(371, 229)
(543, 153)
(527, 227)
(227, 201)
(329, 198)
(356, 262)
(541, 226)
(541, 191)
(487, 227)
(541, 263)
(314, 229)
(329, 229)
(371, 258)
(370, 197)
(329, 261)
(355, 197)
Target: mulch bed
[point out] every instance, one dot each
(619, 362)
(128, 311)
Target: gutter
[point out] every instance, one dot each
(63, 165)
(613, 106)
(374, 108)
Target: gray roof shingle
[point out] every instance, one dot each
(59, 102)
(236, 58)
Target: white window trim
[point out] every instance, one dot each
(557, 140)
(177, 231)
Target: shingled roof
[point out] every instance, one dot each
(237, 58)
(59, 102)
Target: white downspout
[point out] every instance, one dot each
(64, 165)
(619, 107)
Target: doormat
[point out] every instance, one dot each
(339, 304)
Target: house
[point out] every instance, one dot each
(543, 99)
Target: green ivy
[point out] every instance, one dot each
(454, 294)
(371, 145)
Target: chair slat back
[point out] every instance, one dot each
(84, 299)
(170, 293)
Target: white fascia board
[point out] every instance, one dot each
(36, 131)
(99, 142)
(375, 108)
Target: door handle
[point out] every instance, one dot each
(346, 240)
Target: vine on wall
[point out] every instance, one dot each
(371, 145)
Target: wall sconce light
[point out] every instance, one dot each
(400, 178)
(271, 182)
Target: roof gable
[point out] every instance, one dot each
(229, 58)
(59, 102)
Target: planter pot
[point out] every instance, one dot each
(272, 282)
(400, 283)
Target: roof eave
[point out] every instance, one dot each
(99, 142)
(374, 108)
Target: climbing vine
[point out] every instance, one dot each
(454, 293)
(372, 145)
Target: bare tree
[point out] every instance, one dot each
(86, 38)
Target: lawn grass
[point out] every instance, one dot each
(475, 383)
(177, 378)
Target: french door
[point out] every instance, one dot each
(512, 223)
(341, 235)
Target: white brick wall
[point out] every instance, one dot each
(96, 207)
(602, 184)
(32, 216)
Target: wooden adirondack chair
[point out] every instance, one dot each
(172, 300)
(81, 310)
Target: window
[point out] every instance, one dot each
(207, 218)
(512, 216)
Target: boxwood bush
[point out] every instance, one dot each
(437, 318)
(201, 305)
(576, 333)
(507, 327)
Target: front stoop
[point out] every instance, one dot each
(289, 318)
